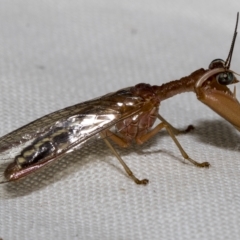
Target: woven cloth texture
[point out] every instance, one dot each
(54, 54)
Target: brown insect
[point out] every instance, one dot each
(132, 111)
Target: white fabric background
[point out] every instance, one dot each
(57, 53)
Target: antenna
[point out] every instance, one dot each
(229, 58)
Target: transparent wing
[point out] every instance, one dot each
(111, 106)
(38, 127)
(71, 127)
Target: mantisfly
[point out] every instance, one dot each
(131, 111)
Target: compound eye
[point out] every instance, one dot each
(225, 78)
(217, 63)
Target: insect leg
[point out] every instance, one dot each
(184, 154)
(150, 134)
(115, 138)
(126, 168)
(175, 130)
(162, 125)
